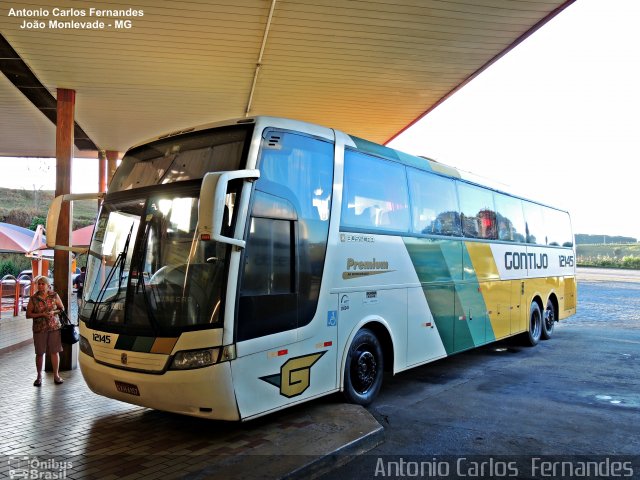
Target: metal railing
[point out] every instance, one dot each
(14, 293)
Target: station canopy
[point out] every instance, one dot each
(368, 67)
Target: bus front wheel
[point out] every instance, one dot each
(535, 325)
(549, 320)
(363, 369)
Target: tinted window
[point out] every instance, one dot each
(302, 168)
(477, 212)
(534, 218)
(298, 169)
(510, 219)
(180, 158)
(287, 234)
(558, 228)
(268, 266)
(375, 193)
(434, 204)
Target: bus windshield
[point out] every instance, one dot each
(148, 270)
(182, 158)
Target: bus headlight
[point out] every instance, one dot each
(185, 360)
(85, 346)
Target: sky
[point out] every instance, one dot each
(35, 174)
(555, 120)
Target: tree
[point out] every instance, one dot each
(35, 221)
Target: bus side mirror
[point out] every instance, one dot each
(53, 217)
(212, 204)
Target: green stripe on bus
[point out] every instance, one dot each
(143, 344)
(385, 152)
(429, 258)
(125, 342)
(434, 274)
(134, 343)
(456, 302)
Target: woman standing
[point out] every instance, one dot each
(43, 307)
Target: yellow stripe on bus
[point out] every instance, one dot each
(484, 265)
(163, 345)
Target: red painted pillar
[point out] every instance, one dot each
(62, 259)
(16, 299)
(112, 159)
(102, 173)
(64, 157)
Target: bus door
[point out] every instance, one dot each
(285, 344)
(440, 268)
(497, 296)
(471, 320)
(441, 299)
(519, 314)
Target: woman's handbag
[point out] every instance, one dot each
(69, 332)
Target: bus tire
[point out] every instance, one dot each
(549, 320)
(532, 337)
(363, 369)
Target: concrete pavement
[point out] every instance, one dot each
(67, 427)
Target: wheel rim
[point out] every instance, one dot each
(364, 369)
(536, 324)
(549, 318)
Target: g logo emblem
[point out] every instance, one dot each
(295, 375)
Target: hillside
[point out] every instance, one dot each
(589, 239)
(609, 255)
(27, 207)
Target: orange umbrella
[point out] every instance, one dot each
(82, 236)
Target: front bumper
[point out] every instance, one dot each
(204, 392)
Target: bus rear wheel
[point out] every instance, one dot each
(549, 321)
(363, 369)
(532, 337)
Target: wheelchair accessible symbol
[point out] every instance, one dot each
(332, 318)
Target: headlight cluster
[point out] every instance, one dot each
(186, 359)
(189, 359)
(85, 346)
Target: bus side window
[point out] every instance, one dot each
(304, 165)
(435, 204)
(535, 227)
(375, 194)
(478, 212)
(558, 227)
(511, 226)
(370, 216)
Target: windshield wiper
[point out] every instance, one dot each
(141, 282)
(118, 265)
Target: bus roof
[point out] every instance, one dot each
(428, 164)
(363, 145)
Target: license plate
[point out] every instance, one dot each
(127, 388)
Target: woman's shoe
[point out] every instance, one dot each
(37, 383)
(58, 381)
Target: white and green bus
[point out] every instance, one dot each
(242, 267)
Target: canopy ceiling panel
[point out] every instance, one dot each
(36, 133)
(369, 67)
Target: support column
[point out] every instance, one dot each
(102, 173)
(62, 259)
(112, 159)
(64, 158)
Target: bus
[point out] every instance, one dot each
(242, 267)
